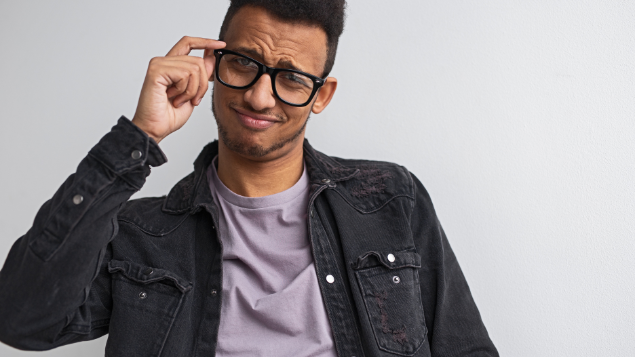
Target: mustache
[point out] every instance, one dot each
(282, 118)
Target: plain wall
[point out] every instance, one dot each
(518, 116)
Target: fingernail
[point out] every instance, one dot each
(199, 101)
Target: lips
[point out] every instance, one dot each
(255, 121)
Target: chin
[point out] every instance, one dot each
(247, 146)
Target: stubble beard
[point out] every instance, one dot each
(254, 150)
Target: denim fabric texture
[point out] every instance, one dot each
(148, 272)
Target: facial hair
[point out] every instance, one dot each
(254, 150)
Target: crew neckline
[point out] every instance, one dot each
(301, 186)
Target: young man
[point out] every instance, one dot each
(269, 248)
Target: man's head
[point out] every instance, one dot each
(326, 14)
(300, 35)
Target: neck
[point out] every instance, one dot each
(257, 178)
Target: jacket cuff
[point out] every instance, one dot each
(126, 148)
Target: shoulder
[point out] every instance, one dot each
(369, 184)
(376, 176)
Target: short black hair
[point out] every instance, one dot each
(327, 14)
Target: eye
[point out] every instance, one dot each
(243, 61)
(297, 79)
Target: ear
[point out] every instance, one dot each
(324, 95)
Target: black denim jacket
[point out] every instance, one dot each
(148, 272)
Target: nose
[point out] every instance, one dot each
(260, 95)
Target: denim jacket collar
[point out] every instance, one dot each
(192, 190)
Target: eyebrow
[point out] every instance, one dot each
(257, 55)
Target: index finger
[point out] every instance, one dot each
(187, 44)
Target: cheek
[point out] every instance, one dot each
(296, 116)
(227, 94)
(220, 95)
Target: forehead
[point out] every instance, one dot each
(277, 42)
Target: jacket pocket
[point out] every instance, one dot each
(146, 301)
(389, 284)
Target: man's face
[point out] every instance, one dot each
(252, 122)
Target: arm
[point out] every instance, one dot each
(46, 279)
(454, 322)
(53, 288)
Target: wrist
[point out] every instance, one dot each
(148, 132)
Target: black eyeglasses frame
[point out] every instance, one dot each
(272, 72)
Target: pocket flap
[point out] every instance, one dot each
(391, 260)
(144, 274)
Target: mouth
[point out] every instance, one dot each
(255, 121)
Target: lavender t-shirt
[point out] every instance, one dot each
(271, 302)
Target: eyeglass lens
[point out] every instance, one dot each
(239, 71)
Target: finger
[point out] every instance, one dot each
(202, 83)
(210, 61)
(189, 59)
(171, 75)
(187, 44)
(196, 66)
(201, 70)
(179, 79)
(190, 90)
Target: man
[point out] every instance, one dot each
(269, 248)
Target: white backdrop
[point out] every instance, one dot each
(518, 116)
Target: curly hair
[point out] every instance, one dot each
(327, 14)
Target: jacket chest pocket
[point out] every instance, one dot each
(146, 301)
(389, 284)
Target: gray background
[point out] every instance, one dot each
(516, 115)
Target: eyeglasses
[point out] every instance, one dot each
(292, 87)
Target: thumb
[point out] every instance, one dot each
(210, 61)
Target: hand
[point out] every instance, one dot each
(174, 85)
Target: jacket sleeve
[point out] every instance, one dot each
(46, 298)
(454, 323)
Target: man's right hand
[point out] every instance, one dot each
(174, 85)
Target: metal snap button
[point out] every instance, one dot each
(213, 292)
(326, 180)
(148, 271)
(142, 295)
(396, 280)
(77, 199)
(391, 258)
(330, 279)
(136, 154)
